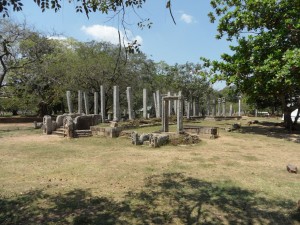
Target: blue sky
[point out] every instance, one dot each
(193, 35)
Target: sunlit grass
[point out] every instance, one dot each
(239, 178)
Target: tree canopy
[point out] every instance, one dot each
(265, 62)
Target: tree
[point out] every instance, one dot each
(264, 63)
(12, 56)
(36, 83)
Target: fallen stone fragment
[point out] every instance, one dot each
(292, 168)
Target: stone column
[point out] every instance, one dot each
(116, 104)
(180, 114)
(219, 106)
(165, 116)
(102, 96)
(130, 103)
(145, 103)
(194, 107)
(86, 103)
(255, 112)
(213, 108)
(96, 103)
(175, 105)
(158, 101)
(208, 106)
(239, 105)
(230, 110)
(79, 102)
(155, 104)
(170, 104)
(223, 106)
(188, 110)
(69, 101)
(47, 122)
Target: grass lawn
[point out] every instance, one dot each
(238, 178)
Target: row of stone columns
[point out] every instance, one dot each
(213, 109)
(86, 102)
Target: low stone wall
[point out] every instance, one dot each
(20, 119)
(220, 118)
(112, 132)
(211, 132)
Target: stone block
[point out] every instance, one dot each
(292, 168)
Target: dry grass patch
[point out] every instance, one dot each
(239, 178)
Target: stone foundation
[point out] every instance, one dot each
(210, 132)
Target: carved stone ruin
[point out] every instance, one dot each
(223, 106)
(165, 116)
(79, 102)
(69, 101)
(159, 104)
(86, 103)
(47, 125)
(68, 127)
(116, 104)
(137, 139)
(230, 110)
(219, 106)
(188, 110)
(292, 168)
(102, 100)
(157, 140)
(96, 103)
(145, 103)
(213, 108)
(37, 125)
(130, 103)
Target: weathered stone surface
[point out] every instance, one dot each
(69, 127)
(144, 137)
(292, 168)
(79, 102)
(145, 103)
(135, 138)
(113, 124)
(86, 121)
(112, 132)
(60, 120)
(130, 103)
(96, 103)
(86, 103)
(157, 140)
(69, 101)
(116, 104)
(102, 100)
(37, 125)
(47, 125)
(210, 132)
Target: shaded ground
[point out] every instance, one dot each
(271, 129)
(165, 199)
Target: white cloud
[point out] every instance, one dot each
(109, 34)
(187, 18)
(60, 38)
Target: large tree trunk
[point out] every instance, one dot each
(43, 109)
(288, 123)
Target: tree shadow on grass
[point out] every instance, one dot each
(271, 129)
(165, 199)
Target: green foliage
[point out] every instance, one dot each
(264, 63)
